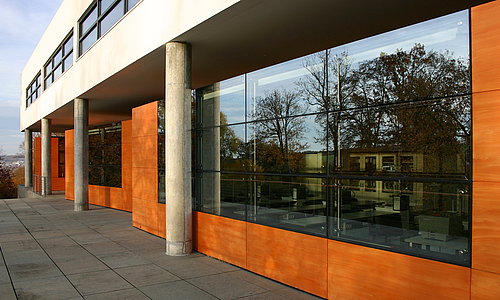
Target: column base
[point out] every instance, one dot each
(179, 248)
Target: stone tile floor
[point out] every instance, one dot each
(48, 251)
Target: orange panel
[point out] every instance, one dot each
(95, 195)
(486, 227)
(115, 196)
(69, 163)
(58, 184)
(127, 199)
(486, 144)
(145, 120)
(145, 184)
(485, 25)
(127, 132)
(127, 177)
(295, 259)
(356, 272)
(220, 237)
(145, 151)
(37, 168)
(162, 222)
(485, 285)
(126, 155)
(144, 216)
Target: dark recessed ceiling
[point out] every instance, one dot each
(250, 35)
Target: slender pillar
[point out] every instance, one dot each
(178, 149)
(81, 143)
(46, 162)
(28, 162)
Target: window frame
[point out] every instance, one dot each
(61, 63)
(34, 89)
(96, 24)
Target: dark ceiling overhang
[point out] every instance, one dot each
(250, 35)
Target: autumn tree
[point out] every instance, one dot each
(7, 187)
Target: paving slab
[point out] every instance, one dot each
(175, 290)
(46, 288)
(144, 275)
(98, 282)
(97, 254)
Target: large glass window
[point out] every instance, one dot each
(59, 62)
(34, 90)
(105, 154)
(100, 17)
(368, 143)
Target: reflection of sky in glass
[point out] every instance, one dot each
(441, 34)
(445, 33)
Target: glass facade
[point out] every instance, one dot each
(100, 17)
(34, 90)
(368, 143)
(105, 152)
(59, 62)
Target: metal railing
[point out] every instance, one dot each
(39, 185)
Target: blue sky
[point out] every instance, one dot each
(22, 24)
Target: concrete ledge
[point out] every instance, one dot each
(24, 192)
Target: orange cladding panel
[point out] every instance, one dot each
(69, 164)
(162, 220)
(145, 120)
(356, 272)
(295, 259)
(144, 216)
(486, 145)
(220, 237)
(485, 285)
(485, 32)
(37, 168)
(147, 212)
(486, 226)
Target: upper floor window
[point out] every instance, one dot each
(101, 16)
(59, 62)
(33, 91)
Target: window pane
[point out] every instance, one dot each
(284, 84)
(58, 57)
(48, 81)
(293, 203)
(105, 5)
(68, 46)
(423, 139)
(89, 40)
(228, 97)
(89, 20)
(426, 218)
(111, 18)
(131, 3)
(57, 72)
(68, 61)
(48, 68)
(291, 145)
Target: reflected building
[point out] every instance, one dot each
(303, 155)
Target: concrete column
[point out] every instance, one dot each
(211, 152)
(81, 144)
(28, 162)
(46, 162)
(178, 149)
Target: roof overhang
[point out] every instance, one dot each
(250, 35)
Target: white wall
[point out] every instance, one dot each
(151, 24)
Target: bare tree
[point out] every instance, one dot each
(281, 127)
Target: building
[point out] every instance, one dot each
(348, 149)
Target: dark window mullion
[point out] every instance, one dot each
(83, 36)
